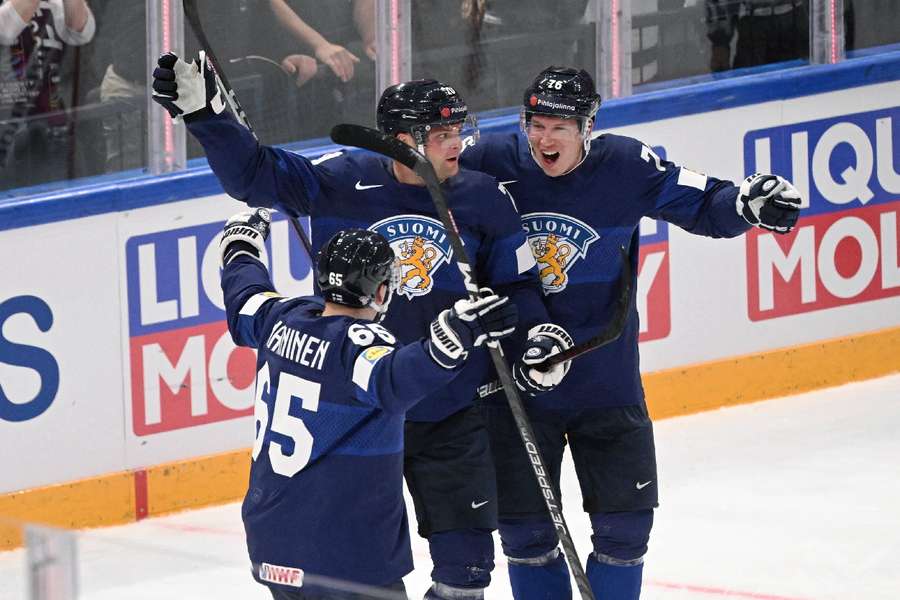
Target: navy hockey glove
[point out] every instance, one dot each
(543, 341)
(469, 324)
(769, 202)
(245, 233)
(185, 89)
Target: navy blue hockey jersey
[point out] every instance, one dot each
(359, 190)
(326, 484)
(575, 224)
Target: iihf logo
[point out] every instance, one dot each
(557, 242)
(422, 246)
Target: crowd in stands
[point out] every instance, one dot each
(73, 73)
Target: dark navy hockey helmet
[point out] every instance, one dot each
(415, 106)
(562, 92)
(352, 266)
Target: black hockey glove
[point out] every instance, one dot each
(469, 324)
(769, 202)
(543, 341)
(245, 233)
(186, 89)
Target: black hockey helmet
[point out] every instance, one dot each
(415, 106)
(562, 92)
(353, 264)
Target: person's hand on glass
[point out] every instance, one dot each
(339, 60)
(302, 66)
(370, 49)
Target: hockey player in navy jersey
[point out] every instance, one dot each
(325, 499)
(448, 464)
(580, 200)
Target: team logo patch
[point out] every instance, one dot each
(375, 352)
(557, 242)
(422, 246)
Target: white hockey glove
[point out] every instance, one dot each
(769, 202)
(469, 324)
(245, 233)
(544, 341)
(185, 89)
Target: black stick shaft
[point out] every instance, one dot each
(370, 139)
(192, 15)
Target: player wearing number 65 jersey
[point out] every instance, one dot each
(448, 464)
(332, 390)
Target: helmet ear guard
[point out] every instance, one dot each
(393, 284)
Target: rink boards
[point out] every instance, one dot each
(116, 369)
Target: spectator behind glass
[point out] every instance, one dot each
(767, 31)
(529, 35)
(341, 36)
(446, 45)
(240, 33)
(34, 127)
(123, 57)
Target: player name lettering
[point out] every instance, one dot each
(301, 348)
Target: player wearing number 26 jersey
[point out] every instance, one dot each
(332, 390)
(580, 200)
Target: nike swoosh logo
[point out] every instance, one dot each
(641, 486)
(479, 504)
(508, 182)
(362, 187)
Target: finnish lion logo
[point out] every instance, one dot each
(419, 258)
(422, 246)
(557, 242)
(552, 256)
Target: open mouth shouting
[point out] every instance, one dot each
(549, 158)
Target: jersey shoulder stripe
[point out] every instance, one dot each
(255, 301)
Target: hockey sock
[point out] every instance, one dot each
(542, 578)
(614, 581)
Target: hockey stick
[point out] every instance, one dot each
(376, 141)
(613, 329)
(192, 15)
(609, 334)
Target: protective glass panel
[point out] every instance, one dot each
(72, 91)
(298, 67)
(157, 558)
(490, 51)
(871, 23)
(672, 39)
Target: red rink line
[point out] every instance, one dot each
(719, 591)
(198, 529)
(501, 562)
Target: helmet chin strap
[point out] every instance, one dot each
(381, 308)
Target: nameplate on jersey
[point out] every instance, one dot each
(557, 242)
(297, 346)
(421, 244)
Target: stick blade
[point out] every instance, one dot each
(373, 140)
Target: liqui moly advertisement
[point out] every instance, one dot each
(184, 370)
(845, 250)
